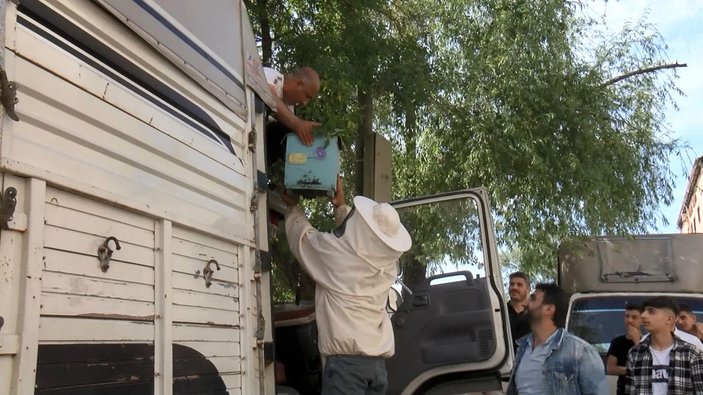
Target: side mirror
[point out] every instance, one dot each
(395, 299)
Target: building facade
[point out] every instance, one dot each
(689, 220)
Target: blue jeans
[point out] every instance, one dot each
(354, 375)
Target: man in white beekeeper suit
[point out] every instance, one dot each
(354, 267)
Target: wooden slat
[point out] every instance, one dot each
(66, 262)
(224, 365)
(65, 329)
(78, 203)
(204, 333)
(194, 250)
(24, 372)
(99, 226)
(232, 380)
(189, 265)
(74, 241)
(203, 315)
(205, 240)
(227, 364)
(163, 352)
(229, 349)
(76, 284)
(198, 299)
(208, 384)
(189, 282)
(93, 306)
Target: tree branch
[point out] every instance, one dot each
(266, 40)
(642, 71)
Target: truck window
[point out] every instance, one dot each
(599, 319)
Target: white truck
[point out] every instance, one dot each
(134, 234)
(605, 273)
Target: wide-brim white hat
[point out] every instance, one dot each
(384, 221)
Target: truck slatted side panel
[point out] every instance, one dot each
(104, 131)
(97, 328)
(123, 144)
(206, 319)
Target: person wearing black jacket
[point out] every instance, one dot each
(519, 289)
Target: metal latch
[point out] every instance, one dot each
(7, 207)
(105, 252)
(207, 272)
(252, 140)
(8, 96)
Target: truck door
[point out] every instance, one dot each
(451, 333)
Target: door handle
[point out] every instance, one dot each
(421, 300)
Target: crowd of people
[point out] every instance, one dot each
(667, 360)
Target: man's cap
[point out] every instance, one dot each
(384, 221)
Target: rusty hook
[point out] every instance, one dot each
(105, 252)
(207, 272)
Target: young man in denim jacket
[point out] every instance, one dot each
(550, 360)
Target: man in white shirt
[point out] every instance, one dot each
(687, 321)
(353, 268)
(687, 337)
(290, 90)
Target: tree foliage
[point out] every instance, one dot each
(513, 95)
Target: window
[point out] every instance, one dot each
(599, 319)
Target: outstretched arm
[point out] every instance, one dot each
(612, 367)
(301, 127)
(339, 203)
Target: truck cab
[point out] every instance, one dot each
(605, 273)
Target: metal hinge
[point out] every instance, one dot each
(8, 95)
(252, 140)
(254, 203)
(7, 207)
(262, 181)
(268, 352)
(265, 259)
(260, 327)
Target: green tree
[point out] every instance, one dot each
(563, 124)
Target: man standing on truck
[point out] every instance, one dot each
(290, 90)
(519, 289)
(550, 360)
(353, 268)
(687, 321)
(619, 346)
(663, 364)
